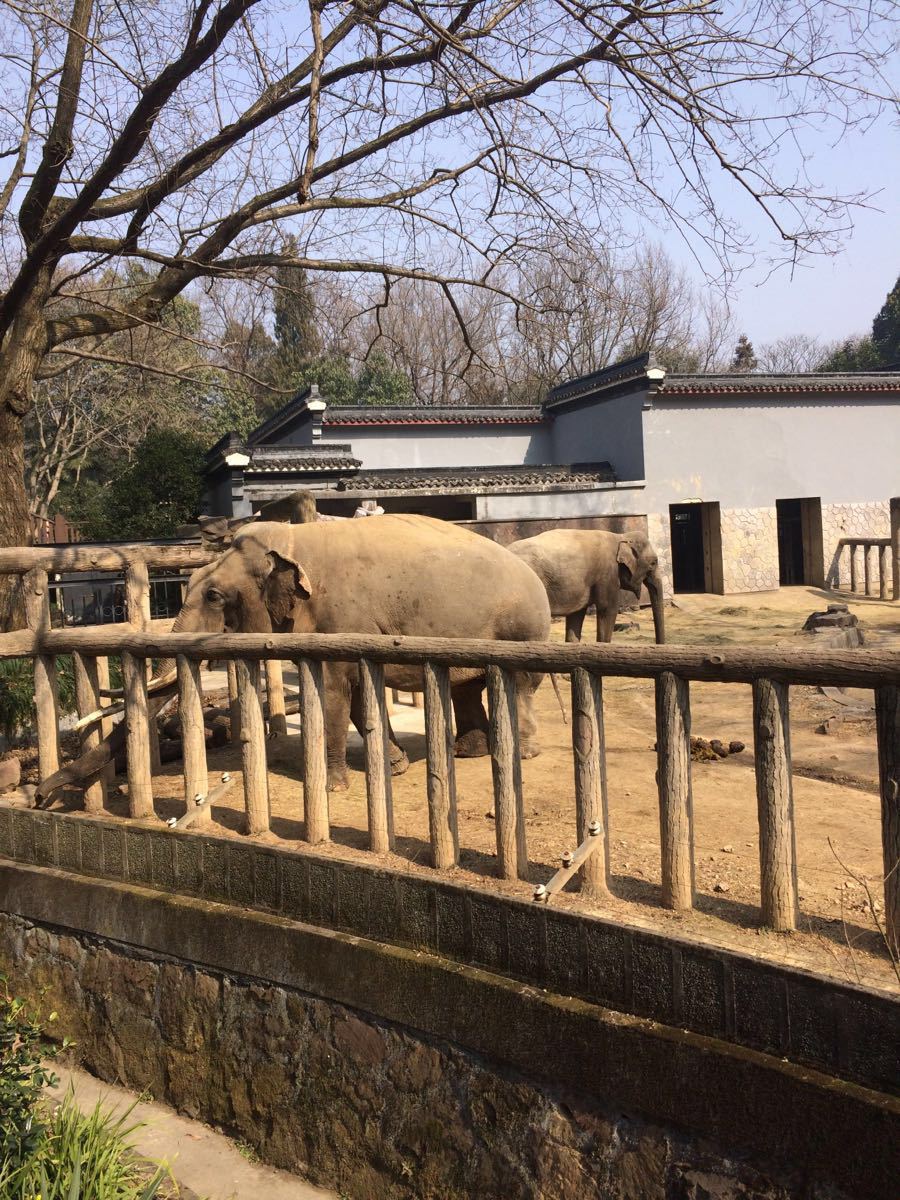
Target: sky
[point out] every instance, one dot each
(832, 297)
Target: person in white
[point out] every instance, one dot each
(369, 508)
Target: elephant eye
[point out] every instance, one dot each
(214, 596)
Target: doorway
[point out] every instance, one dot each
(800, 558)
(696, 547)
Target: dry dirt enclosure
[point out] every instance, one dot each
(835, 788)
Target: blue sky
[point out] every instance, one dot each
(832, 297)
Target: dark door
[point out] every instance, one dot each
(687, 547)
(790, 542)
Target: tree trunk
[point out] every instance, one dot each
(15, 526)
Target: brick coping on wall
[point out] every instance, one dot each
(753, 1103)
(845, 1030)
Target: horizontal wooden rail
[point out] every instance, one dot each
(18, 560)
(836, 668)
(864, 541)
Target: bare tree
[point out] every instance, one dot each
(796, 352)
(409, 140)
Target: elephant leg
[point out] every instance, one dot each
(607, 611)
(527, 683)
(337, 718)
(574, 622)
(399, 759)
(471, 720)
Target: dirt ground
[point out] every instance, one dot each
(835, 791)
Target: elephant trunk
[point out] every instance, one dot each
(655, 589)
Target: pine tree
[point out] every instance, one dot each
(886, 330)
(744, 360)
(296, 332)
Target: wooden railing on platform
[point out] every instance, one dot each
(869, 546)
(769, 672)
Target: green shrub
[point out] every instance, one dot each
(82, 1156)
(17, 713)
(22, 1077)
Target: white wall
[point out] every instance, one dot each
(399, 446)
(604, 431)
(548, 505)
(750, 453)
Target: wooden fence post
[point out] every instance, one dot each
(895, 547)
(234, 704)
(853, 548)
(36, 594)
(441, 771)
(253, 747)
(775, 805)
(673, 777)
(193, 736)
(87, 699)
(312, 736)
(882, 573)
(506, 766)
(867, 567)
(887, 718)
(139, 755)
(275, 697)
(137, 611)
(377, 757)
(589, 752)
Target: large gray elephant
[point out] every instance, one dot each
(397, 574)
(579, 567)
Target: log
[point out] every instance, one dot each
(234, 704)
(503, 737)
(36, 593)
(887, 722)
(312, 737)
(866, 668)
(589, 754)
(867, 567)
(193, 735)
(775, 805)
(17, 560)
(275, 697)
(673, 777)
(137, 736)
(87, 697)
(377, 757)
(882, 573)
(441, 771)
(253, 748)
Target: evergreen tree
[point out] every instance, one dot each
(297, 338)
(886, 330)
(744, 360)
(854, 354)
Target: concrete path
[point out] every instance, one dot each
(203, 1161)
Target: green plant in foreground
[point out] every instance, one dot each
(23, 1077)
(82, 1156)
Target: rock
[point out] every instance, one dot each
(720, 886)
(728, 849)
(836, 617)
(831, 725)
(10, 774)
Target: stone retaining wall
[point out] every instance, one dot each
(383, 1072)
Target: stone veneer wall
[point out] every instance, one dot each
(367, 1108)
(749, 549)
(853, 520)
(659, 533)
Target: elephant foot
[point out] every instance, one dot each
(399, 762)
(338, 779)
(473, 744)
(529, 749)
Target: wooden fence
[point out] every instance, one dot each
(871, 547)
(768, 672)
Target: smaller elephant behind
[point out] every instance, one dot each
(579, 567)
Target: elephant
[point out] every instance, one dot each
(396, 574)
(579, 567)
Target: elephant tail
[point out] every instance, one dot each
(559, 700)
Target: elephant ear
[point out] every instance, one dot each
(627, 560)
(284, 584)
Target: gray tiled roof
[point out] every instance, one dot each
(423, 415)
(822, 381)
(443, 479)
(302, 459)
